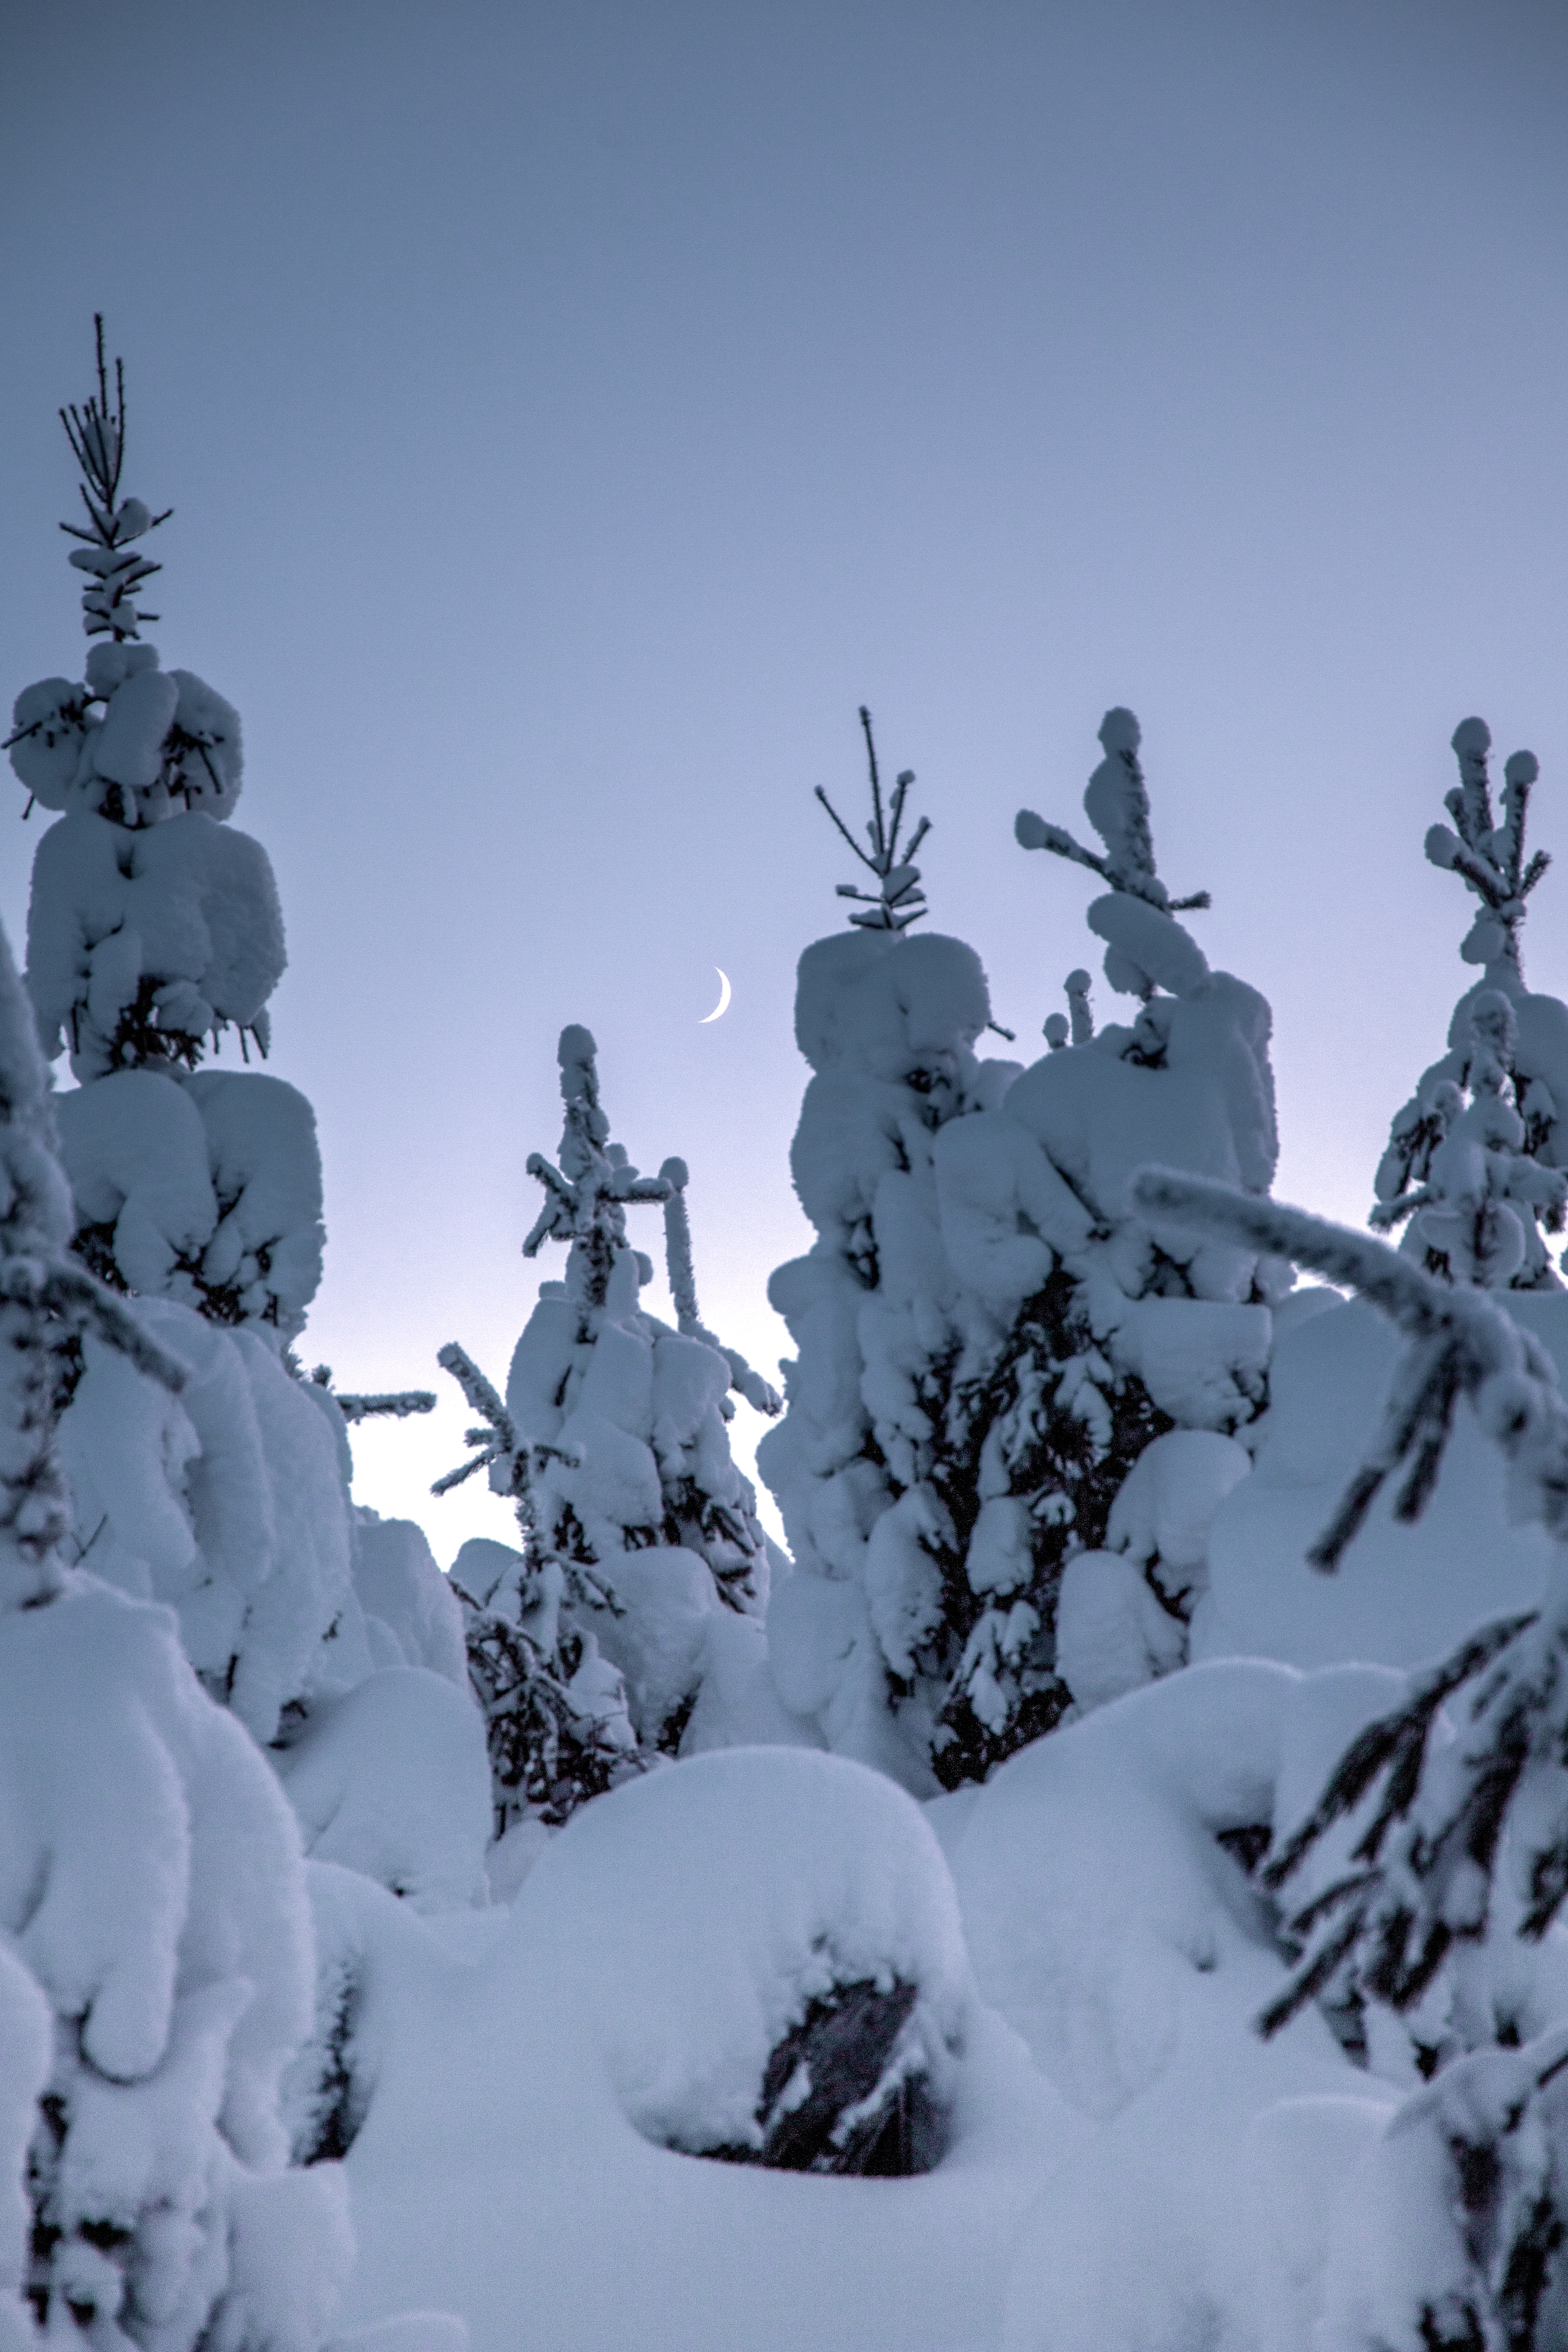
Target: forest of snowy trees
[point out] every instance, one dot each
(1118, 1853)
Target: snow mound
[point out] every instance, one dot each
(135, 1150)
(411, 1614)
(393, 1780)
(1126, 1944)
(695, 1919)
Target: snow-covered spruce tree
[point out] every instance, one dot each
(1473, 1183)
(590, 1648)
(1429, 1877)
(1476, 1159)
(987, 1340)
(153, 931)
(157, 1972)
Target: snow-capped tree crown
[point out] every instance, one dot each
(97, 436)
(1116, 802)
(1490, 857)
(131, 741)
(153, 926)
(1475, 1159)
(899, 899)
(590, 1647)
(585, 1198)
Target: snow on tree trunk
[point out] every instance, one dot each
(987, 1340)
(157, 1979)
(589, 1647)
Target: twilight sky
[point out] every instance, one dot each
(571, 411)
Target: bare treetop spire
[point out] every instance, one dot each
(900, 900)
(97, 434)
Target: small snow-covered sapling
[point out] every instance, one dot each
(1469, 1159)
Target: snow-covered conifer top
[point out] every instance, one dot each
(898, 900)
(130, 741)
(1476, 1159)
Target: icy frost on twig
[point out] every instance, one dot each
(395, 1404)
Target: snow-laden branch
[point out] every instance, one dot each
(683, 1290)
(498, 1439)
(1463, 1345)
(395, 1404)
(1117, 804)
(1451, 1779)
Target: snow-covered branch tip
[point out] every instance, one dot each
(395, 1404)
(1443, 1808)
(586, 1197)
(497, 1440)
(1461, 1344)
(1116, 802)
(683, 1290)
(1075, 1025)
(1490, 857)
(897, 900)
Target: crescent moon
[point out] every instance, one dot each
(723, 1004)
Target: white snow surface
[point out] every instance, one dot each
(1401, 1593)
(151, 1888)
(1130, 2165)
(392, 1780)
(189, 906)
(229, 1502)
(1127, 1947)
(211, 1185)
(658, 1945)
(412, 1615)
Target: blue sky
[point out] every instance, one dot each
(572, 412)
